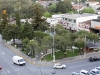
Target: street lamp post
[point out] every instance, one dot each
(85, 47)
(53, 44)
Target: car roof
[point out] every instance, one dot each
(84, 71)
(75, 72)
(97, 67)
(94, 70)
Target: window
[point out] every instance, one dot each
(65, 18)
(74, 21)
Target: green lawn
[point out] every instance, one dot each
(60, 54)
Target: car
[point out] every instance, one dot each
(18, 60)
(75, 73)
(97, 67)
(91, 59)
(59, 66)
(85, 72)
(95, 72)
(0, 67)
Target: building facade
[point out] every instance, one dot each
(75, 22)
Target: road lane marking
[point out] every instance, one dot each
(3, 53)
(8, 63)
(8, 71)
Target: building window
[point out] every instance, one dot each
(70, 20)
(74, 21)
(65, 18)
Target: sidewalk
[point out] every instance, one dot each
(35, 62)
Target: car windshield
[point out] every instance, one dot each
(58, 64)
(87, 73)
(98, 68)
(21, 60)
(98, 72)
(76, 74)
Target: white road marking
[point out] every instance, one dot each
(8, 71)
(3, 53)
(8, 63)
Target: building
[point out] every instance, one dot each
(95, 26)
(76, 22)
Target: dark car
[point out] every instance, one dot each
(94, 59)
(0, 67)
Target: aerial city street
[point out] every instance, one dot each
(50, 37)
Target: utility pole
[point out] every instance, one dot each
(85, 47)
(53, 44)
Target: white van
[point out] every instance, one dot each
(18, 60)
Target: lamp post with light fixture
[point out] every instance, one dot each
(53, 43)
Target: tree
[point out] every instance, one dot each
(10, 32)
(93, 37)
(60, 43)
(18, 18)
(17, 9)
(33, 47)
(52, 8)
(38, 35)
(47, 14)
(82, 33)
(26, 31)
(39, 22)
(61, 5)
(4, 21)
(88, 10)
(25, 42)
(68, 4)
(60, 30)
(46, 43)
(79, 43)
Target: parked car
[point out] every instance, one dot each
(76, 73)
(98, 67)
(95, 72)
(59, 66)
(0, 67)
(94, 58)
(85, 72)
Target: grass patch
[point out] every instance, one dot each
(58, 54)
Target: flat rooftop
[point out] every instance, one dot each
(78, 15)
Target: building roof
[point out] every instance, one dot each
(97, 20)
(78, 15)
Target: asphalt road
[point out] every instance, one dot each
(29, 69)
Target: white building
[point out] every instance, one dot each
(75, 22)
(95, 26)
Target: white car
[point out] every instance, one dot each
(85, 72)
(59, 65)
(95, 72)
(76, 73)
(98, 67)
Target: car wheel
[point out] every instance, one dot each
(63, 67)
(24, 64)
(55, 68)
(13, 63)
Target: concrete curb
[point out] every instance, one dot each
(42, 63)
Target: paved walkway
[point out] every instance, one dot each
(35, 62)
